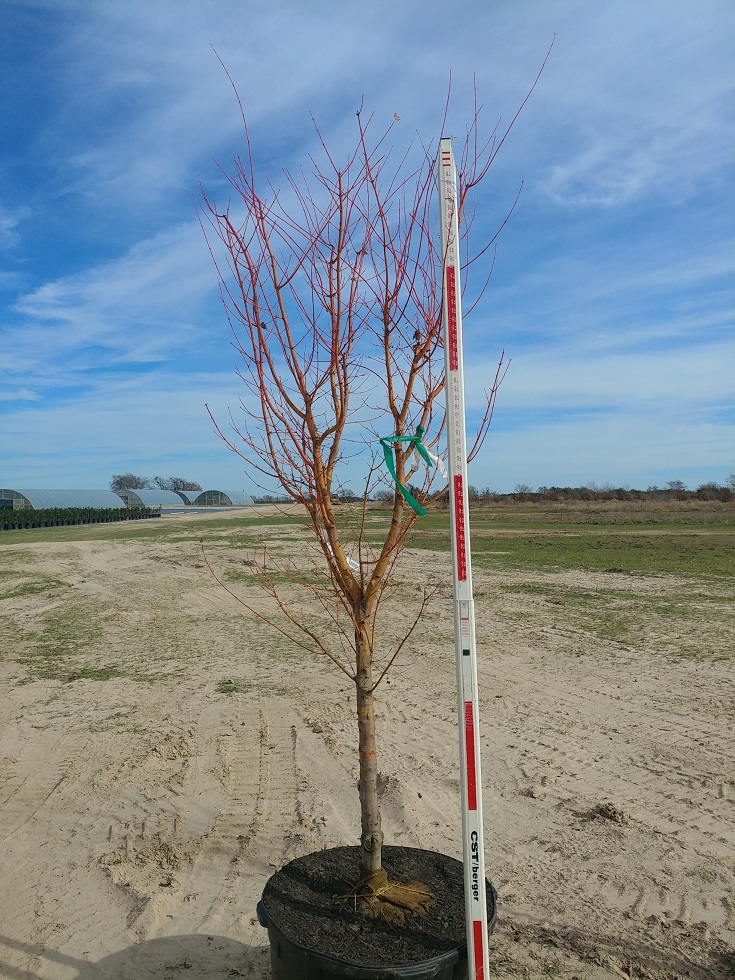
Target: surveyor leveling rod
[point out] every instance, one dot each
(464, 609)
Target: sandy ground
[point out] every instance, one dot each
(141, 813)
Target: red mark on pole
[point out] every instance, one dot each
(469, 738)
(459, 529)
(479, 953)
(452, 317)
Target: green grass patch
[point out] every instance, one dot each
(232, 685)
(299, 577)
(669, 554)
(706, 873)
(691, 550)
(606, 514)
(144, 677)
(92, 674)
(158, 528)
(15, 584)
(69, 638)
(687, 624)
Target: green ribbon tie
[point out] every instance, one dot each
(387, 445)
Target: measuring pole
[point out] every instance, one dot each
(464, 607)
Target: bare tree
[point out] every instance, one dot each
(333, 290)
(129, 481)
(175, 483)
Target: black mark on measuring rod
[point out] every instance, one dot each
(465, 653)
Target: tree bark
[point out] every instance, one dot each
(371, 840)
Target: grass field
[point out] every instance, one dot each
(656, 539)
(691, 546)
(687, 539)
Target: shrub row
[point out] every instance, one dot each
(15, 520)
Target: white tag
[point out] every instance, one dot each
(439, 463)
(350, 561)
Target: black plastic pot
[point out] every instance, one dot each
(294, 960)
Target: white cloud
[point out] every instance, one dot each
(155, 67)
(10, 218)
(19, 395)
(674, 380)
(141, 307)
(140, 423)
(636, 100)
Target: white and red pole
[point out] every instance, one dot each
(464, 608)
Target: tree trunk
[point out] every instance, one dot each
(371, 840)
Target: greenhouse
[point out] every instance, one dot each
(106, 499)
(235, 498)
(217, 498)
(48, 499)
(152, 498)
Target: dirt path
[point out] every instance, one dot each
(161, 753)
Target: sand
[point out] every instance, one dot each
(162, 751)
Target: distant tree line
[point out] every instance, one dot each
(523, 493)
(129, 481)
(673, 490)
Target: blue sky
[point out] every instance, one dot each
(613, 287)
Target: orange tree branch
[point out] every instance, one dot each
(319, 649)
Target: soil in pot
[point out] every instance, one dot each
(310, 901)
